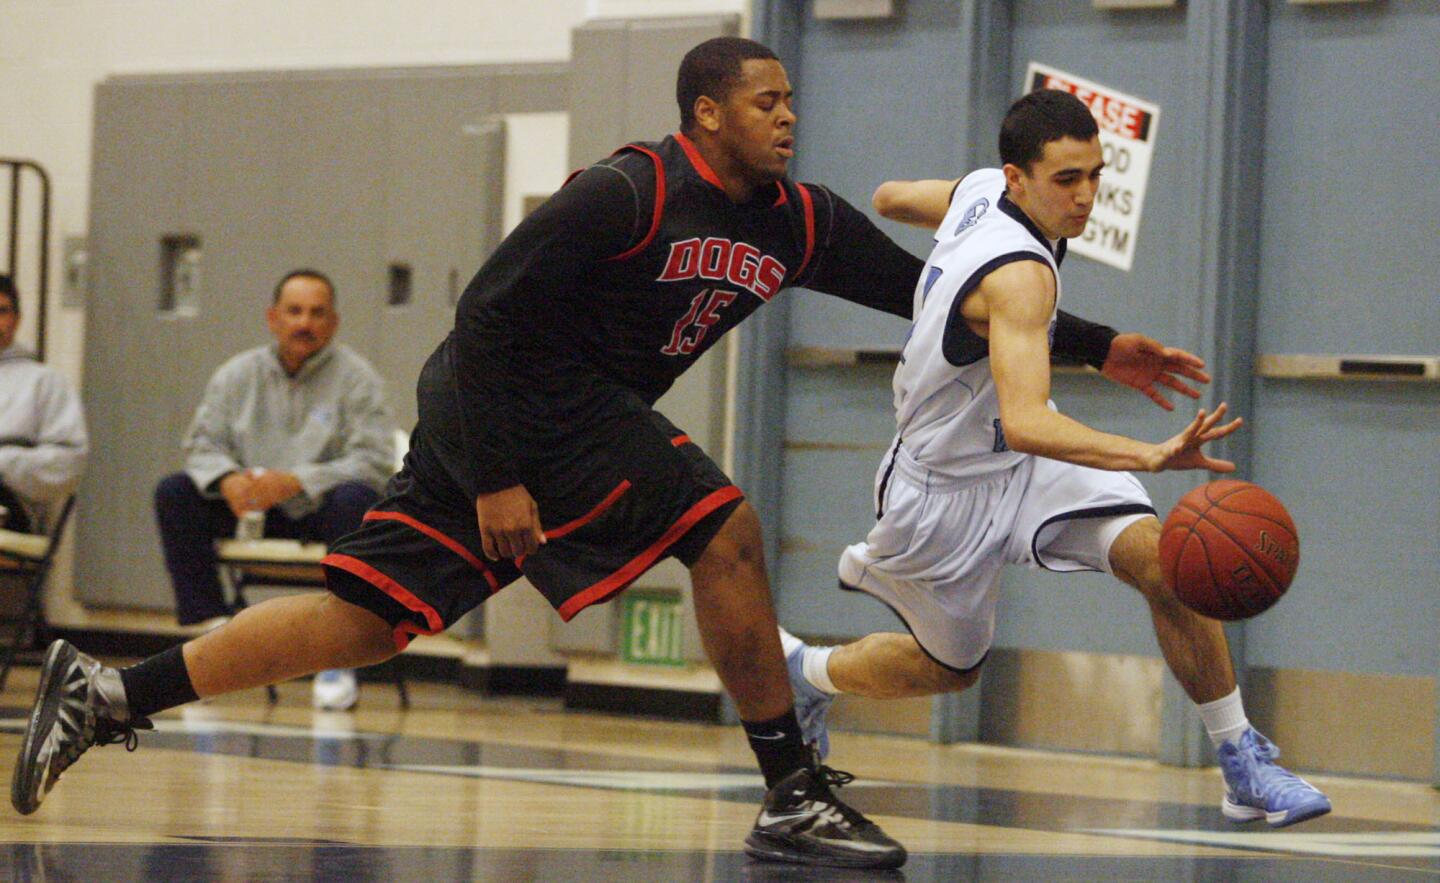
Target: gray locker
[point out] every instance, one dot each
(364, 175)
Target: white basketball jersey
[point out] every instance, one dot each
(946, 411)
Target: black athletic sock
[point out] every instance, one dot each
(778, 745)
(158, 683)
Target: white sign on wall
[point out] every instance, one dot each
(1127, 137)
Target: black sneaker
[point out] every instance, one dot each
(80, 703)
(802, 821)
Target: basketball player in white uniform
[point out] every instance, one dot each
(985, 471)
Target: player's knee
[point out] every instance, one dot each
(738, 542)
(370, 637)
(1135, 559)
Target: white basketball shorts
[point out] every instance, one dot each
(936, 553)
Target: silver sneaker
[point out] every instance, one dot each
(80, 703)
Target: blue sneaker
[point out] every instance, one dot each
(1260, 787)
(811, 702)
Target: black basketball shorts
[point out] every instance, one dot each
(621, 498)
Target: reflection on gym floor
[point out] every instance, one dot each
(467, 788)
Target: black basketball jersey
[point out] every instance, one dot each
(629, 274)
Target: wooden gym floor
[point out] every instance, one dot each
(463, 787)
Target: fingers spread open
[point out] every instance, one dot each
(1186, 370)
(1180, 357)
(1219, 465)
(1180, 387)
(1222, 431)
(1154, 395)
(1213, 418)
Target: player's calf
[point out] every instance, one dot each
(891, 665)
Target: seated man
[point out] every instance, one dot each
(297, 430)
(43, 443)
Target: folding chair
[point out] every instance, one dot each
(273, 562)
(28, 557)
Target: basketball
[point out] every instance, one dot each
(1229, 549)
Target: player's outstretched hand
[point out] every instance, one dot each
(509, 523)
(1142, 362)
(1183, 451)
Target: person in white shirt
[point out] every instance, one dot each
(985, 471)
(43, 440)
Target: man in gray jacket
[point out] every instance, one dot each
(297, 430)
(43, 442)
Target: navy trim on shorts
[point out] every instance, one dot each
(958, 671)
(885, 482)
(1096, 512)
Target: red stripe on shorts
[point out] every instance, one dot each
(593, 514)
(401, 594)
(642, 562)
(679, 440)
(585, 519)
(449, 543)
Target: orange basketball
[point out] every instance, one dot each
(1229, 549)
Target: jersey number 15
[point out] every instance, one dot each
(704, 312)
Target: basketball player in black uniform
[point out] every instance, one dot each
(538, 450)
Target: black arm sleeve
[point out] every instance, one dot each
(1082, 341)
(855, 261)
(524, 284)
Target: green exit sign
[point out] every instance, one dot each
(650, 625)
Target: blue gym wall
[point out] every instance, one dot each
(1291, 208)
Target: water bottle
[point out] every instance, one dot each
(250, 525)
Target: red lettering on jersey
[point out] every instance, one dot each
(744, 264)
(690, 331)
(679, 344)
(719, 259)
(711, 314)
(769, 279)
(714, 257)
(681, 263)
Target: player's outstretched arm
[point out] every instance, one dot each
(922, 203)
(1016, 301)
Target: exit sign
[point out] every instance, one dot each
(650, 628)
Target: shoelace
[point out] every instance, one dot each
(99, 731)
(827, 778)
(110, 732)
(1264, 775)
(831, 777)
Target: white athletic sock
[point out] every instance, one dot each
(1224, 718)
(815, 665)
